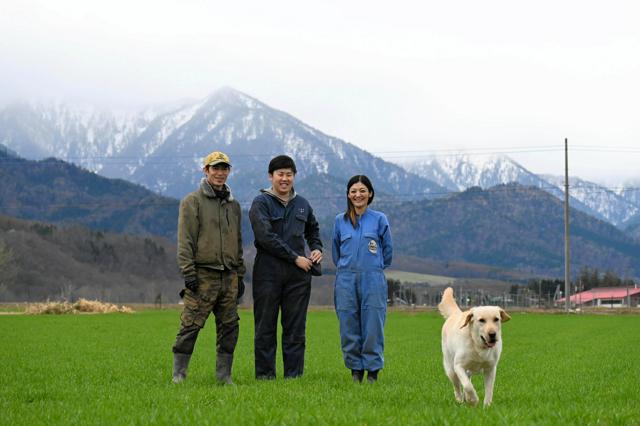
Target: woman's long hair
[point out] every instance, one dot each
(350, 214)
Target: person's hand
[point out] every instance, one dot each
(240, 289)
(303, 263)
(191, 283)
(316, 256)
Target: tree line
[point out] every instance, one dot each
(587, 279)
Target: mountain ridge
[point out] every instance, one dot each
(511, 226)
(161, 148)
(460, 172)
(59, 192)
(167, 148)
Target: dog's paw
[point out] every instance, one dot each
(471, 396)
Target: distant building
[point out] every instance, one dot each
(605, 297)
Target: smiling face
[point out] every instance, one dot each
(217, 175)
(282, 181)
(359, 196)
(485, 323)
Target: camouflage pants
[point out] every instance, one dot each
(217, 293)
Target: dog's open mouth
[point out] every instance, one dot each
(488, 344)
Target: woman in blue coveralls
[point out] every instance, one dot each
(361, 249)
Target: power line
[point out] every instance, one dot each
(434, 152)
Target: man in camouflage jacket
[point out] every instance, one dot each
(210, 259)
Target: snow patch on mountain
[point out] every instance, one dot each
(459, 172)
(606, 203)
(630, 191)
(337, 149)
(216, 121)
(169, 124)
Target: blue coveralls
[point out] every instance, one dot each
(360, 295)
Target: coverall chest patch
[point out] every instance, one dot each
(373, 246)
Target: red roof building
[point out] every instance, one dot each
(606, 297)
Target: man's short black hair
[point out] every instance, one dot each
(282, 162)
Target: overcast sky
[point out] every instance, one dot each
(390, 77)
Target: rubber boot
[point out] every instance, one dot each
(180, 364)
(372, 376)
(223, 368)
(357, 375)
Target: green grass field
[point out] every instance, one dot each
(116, 368)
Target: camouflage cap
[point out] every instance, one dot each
(216, 157)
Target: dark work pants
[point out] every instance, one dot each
(279, 286)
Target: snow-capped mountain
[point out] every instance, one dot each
(605, 203)
(459, 172)
(82, 135)
(630, 191)
(162, 150)
(632, 227)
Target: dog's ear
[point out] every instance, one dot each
(504, 316)
(468, 318)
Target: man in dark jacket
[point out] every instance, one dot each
(281, 222)
(210, 259)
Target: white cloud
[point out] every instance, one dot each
(414, 74)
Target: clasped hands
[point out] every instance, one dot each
(305, 263)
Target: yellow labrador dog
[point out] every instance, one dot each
(471, 344)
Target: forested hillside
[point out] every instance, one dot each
(55, 191)
(513, 227)
(40, 261)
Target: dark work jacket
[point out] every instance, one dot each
(282, 231)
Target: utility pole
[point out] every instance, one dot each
(539, 292)
(567, 271)
(626, 284)
(628, 297)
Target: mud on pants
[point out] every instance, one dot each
(216, 293)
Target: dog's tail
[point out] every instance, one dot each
(448, 305)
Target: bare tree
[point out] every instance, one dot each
(8, 268)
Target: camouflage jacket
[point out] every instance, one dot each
(209, 233)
